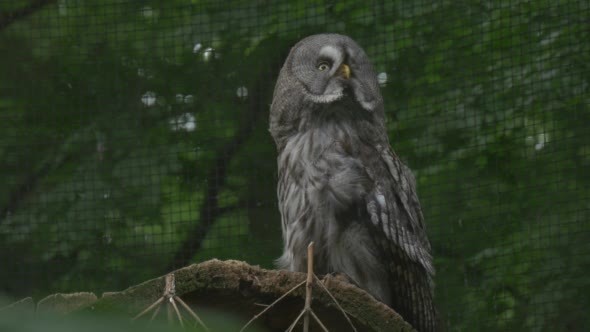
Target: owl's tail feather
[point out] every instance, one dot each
(412, 296)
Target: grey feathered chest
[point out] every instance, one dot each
(323, 199)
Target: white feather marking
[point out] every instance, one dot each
(326, 98)
(381, 200)
(330, 52)
(367, 105)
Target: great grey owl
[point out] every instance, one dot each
(341, 185)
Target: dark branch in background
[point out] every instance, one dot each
(217, 174)
(28, 185)
(22, 191)
(210, 211)
(8, 18)
(216, 178)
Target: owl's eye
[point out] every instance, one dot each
(323, 66)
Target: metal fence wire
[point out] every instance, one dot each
(134, 140)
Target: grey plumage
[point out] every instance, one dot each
(341, 185)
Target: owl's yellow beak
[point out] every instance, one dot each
(344, 70)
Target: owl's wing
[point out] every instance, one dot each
(395, 213)
(394, 209)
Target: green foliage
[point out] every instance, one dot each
(116, 114)
(25, 322)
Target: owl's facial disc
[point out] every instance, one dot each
(327, 79)
(335, 57)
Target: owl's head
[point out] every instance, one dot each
(322, 70)
(331, 67)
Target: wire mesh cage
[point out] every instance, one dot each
(135, 141)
